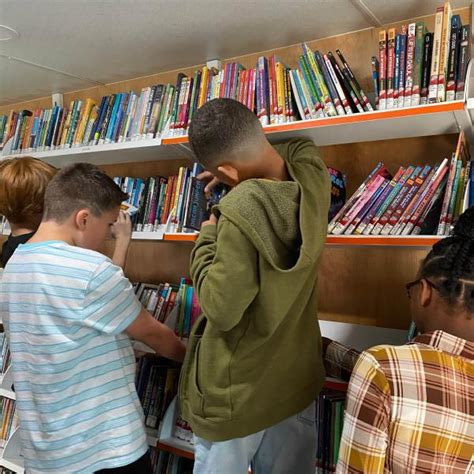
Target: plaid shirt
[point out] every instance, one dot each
(411, 409)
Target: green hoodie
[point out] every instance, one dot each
(254, 356)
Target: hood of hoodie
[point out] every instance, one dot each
(285, 220)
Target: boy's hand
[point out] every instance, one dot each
(213, 181)
(212, 221)
(122, 229)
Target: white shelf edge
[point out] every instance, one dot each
(177, 443)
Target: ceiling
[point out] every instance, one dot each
(66, 45)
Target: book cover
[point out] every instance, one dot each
(338, 192)
(455, 40)
(426, 67)
(390, 68)
(463, 61)
(382, 70)
(411, 46)
(444, 52)
(436, 56)
(417, 63)
(347, 71)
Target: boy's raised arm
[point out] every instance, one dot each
(224, 273)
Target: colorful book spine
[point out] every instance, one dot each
(340, 92)
(396, 78)
(453, 198)
(327, 82)
(403, 60)
(436, 56)
(453, 57)
(369, 219)
(382, 70)
(425, 198)
(447, 197)
(411, 46)
(426, 67)
(347, 71)
(444, 52)
(390, 68)
(418, 62)
(464, 56)
(375, 80)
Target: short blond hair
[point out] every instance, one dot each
(23, 183)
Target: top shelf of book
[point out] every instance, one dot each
(423, 120)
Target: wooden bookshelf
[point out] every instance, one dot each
(419, 121)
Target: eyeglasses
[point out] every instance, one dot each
(410, 285)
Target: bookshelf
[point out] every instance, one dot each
(362, 278)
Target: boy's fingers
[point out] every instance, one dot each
(205, 175)
(211, 185)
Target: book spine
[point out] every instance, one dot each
(390, 68)
(375, 80)
(381, 199)
(309, 83)
(436, 56)
(411, 46)
(383, 214)
(326, 79)
(354, 83)
(444, 52)
(467, 183)
(354, 211)
(303, 108)
(417, 67)
(90, 139)
(382, 70)
(332, 73)
(397, 218)
(251, 104)
(368, 206)
(395, 209)
(428, 201)
(403, 62)
(464, 56)
(426, 67)
(453, 57)
(415, 201)
(396, 74)
(453, 198)
(447, 197)
(351, 201)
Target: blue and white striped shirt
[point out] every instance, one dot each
(65, 310)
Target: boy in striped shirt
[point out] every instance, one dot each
(69, 313)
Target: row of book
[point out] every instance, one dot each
(329, 424)
(8, 419)
(5, 353)
(418, 67)
(174, 203)
(174, 305)
(157, 385)
(164, 462)
(322, 85)
(416, 200)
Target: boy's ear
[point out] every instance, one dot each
(229, 173)
(426, 294)
(81, 218)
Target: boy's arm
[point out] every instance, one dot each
(157, 335)
(364, 439)
(224, 272)
(110, 306)
(339, 360)
(122, 232)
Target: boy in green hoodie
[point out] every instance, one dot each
(254, 365)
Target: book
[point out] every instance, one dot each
(436, 56)
(444, 52)
(417, 64)
(382, 70)
(403, 55)
(375, 80)
(390, 68)
(410, 59)
(463, 60)
(454, 43)
(396, 75)
(426, 67)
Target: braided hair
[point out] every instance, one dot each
(450, 264)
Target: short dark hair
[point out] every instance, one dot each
(450, 264)
(80, 186)
(219, 127)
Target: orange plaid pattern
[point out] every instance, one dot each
(411, 409)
